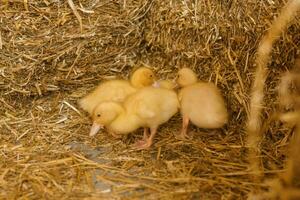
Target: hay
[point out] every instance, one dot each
(50, 56)
(254, 133)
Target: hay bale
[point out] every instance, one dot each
(48, 61)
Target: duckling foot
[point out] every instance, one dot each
(142, 144)
(184, 136)
(114, 134)
(146, 142)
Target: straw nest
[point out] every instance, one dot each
(54, 51)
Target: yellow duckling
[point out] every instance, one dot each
(117, 90)
(200, 102)
(142, 77)
(149, 107)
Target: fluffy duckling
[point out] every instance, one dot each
(200, 102)
(117, 90)
(149, 107)
(142, 77)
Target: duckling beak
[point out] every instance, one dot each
(95, 128)
(155, 84)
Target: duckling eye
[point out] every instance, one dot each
(98, 115)
(151, 75)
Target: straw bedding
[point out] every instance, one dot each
(54, 51)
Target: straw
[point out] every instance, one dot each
(51, 57)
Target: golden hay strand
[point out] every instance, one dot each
(293, 173)
(72, 6)
(254, 133)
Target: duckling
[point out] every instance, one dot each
(117, 90)
(200, 102)
(149, 108)
(142, 77)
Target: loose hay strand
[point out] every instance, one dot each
(1, 44)
(253, 129)
(285, 98)
(26, 5)
(292, 173)
(74, 9)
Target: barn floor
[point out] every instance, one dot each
(52, 52)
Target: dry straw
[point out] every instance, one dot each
(55, 51)
(254, 132)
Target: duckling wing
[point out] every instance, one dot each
(144, 103)
(116, 90)
(204, 105)
(156, 105)
(146, 110)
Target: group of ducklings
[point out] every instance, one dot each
(122, 106)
